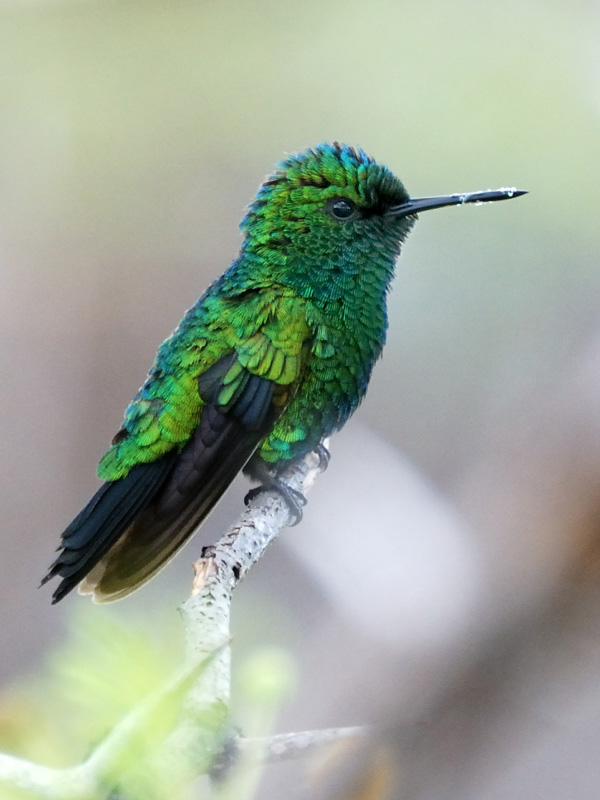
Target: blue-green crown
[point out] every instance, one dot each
(323, 171)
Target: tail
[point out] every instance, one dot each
(133, 526)
(111, 511)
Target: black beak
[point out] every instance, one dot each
(419, 204)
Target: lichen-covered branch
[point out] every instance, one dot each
(202, 688)
(206, 613)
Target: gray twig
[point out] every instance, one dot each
(204, 683)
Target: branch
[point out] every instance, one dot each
(206, 613)
(284, 746)
(46, 782)
(83, 780)
(205, 679)
(222, 566)
(240, 754)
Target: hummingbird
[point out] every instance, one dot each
(274, 357)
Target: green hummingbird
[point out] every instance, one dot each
(274, 357)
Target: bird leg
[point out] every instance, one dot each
(294, 500)
(323, 455)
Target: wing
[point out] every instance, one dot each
(159, 488)
(133, 526)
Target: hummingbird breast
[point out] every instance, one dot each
(348, 336)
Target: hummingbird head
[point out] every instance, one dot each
(325, 200)
(331, 214)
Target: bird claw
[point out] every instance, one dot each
(323, 455)
(294, 499)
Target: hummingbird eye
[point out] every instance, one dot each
(342, 208)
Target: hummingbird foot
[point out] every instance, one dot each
(323, 455)
(294, 500)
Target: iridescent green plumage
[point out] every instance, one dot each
(306, 297)
(273, 358)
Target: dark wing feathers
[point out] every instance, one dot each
(94, 531)
(252, 407)
(134, 525)
(165, 525)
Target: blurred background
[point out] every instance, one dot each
(444, 581)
